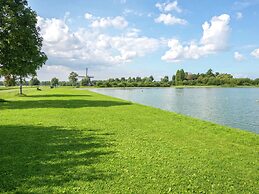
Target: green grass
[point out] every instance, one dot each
(75, 141)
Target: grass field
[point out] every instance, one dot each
(75, 141)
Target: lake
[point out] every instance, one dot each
(234, 107)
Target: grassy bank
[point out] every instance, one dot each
(72, 141)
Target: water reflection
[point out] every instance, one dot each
(235, 107)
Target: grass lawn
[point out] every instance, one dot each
(75, 141)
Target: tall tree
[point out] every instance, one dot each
(73, 78)
(179, 77)
(210, 73)
(165, 79)
(151, 78)
(20, 41)
(54, 82)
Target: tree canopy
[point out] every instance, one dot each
(20, 40)
(54, 82)
(73, 78)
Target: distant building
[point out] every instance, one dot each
(86, 76)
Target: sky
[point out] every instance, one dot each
(123, 38)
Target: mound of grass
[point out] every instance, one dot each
(73, 141)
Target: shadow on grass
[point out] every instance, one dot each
(48, 157)
(57, 95)
(60, 104)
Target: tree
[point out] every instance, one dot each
(179, 77)
(10, 80)
(151, 78)
(73, 78)
(210, 73)
(85, 81)
(256, 81)
(54, 82)
(20, 41)
(34, 81)
(165, 79)
(173, 79)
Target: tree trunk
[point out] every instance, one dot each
(20, 85)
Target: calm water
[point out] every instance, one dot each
(235, 107)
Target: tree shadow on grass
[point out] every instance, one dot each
(60, 104)
(49, 157)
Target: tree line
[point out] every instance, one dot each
(181, 78)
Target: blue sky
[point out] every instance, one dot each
(122, 38)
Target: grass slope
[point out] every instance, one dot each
(71, 141)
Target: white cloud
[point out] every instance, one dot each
(133, 32)
(168, 19)
(116, 22)
(238, 56)
(214, 39)
(239, 15)
(215, 34)
(169, 6)
(88, 46)
(255, 53)
(47, 72)
(127, 12)
(88, 16)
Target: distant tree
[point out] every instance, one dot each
(9, 80)
(85, 81)
(179, 77)
(20, 41)
(54, 82)
(45, 83)
(129, 80)
(165, 79)
(151, 78)
(210, 73)
(62, 83)
(73, 78)
(34, 81)
(256, 81)
(138, 79)
(189, 76)
(173, 80)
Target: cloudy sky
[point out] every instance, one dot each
(122, 38)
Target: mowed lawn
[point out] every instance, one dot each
(67, 140)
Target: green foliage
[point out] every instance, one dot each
(211, 79)
(165, 79)
(10, 80)
(34, 81)
(73, 78)
(85, 81)
(133, 82)
(54, 82)
(179, 77)
(74, 141)
(20, 41)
